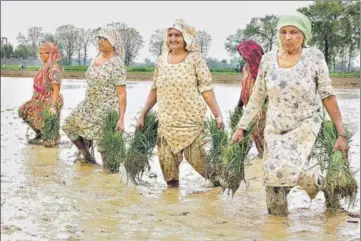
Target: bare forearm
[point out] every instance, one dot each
(122, 100)
(210, 99)
(333, 111)
(56, 93)
(151, 101)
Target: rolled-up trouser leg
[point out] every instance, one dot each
(195, 154)
(276, 198)
(169, 162)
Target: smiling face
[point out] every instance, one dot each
(104, 45)
(175, 39)
(44, 54)
(291, 38)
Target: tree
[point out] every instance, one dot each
(232, 42)
(325, 18)
(350, 27)
(7, 51)
(87, 39)
(67, 36)
(21, 39)
(148, 62)
(34, 35)
(204, 42)
(132, 40)
(263, 30)
(22, 52)
(48, 37)
(156, 43)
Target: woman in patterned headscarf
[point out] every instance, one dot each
(46, 94)
(252, 53)
(182, 83)
(296, 81)
(106, 90)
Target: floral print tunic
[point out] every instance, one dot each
(101, 96)
(294, 114)
(33, 110)
(181, 108)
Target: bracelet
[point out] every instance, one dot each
(343, 135)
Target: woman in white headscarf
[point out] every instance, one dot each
(106, 90)
(182, 86)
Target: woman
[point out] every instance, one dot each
(46, 93)
(252, 53)
(295, 79)
(106, 91)
(181, 84)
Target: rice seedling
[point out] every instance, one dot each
(234, 118)
(113, 143)
(50, 131)
(225, 162)
(233, 158)
(141, 147)
(218, 139)
(339, 182)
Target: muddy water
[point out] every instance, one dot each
(45, 196)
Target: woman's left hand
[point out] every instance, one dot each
(53, 110)
(120, 125)
(342, 145)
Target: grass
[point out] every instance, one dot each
(113, 143)
(141, 148)
(339, 181)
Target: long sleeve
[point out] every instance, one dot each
(257, 99)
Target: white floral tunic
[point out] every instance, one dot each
(101, 96)
(181, 108)
(293, 116)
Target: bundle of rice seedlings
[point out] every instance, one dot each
(234, 118)
(339, 181)
(113, 143)
(50, 131)
(233, 158)
(141, 147)
(218, 139)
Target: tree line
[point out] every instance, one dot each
(335, 25)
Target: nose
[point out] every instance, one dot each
(288, 36)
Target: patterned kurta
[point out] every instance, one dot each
(293, 117)
(87, 118)
(260, 120)
(181, 108)
(33, 110)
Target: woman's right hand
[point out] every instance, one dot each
(140, 122)
(237, 136)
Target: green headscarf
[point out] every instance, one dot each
(299, 21)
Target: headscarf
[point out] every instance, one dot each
(299, 21)
(189, 34)
(115, 39)
(54, 56)
(252, 53)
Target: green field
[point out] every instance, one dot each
(147, 69)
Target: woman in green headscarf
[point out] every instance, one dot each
(296, 81)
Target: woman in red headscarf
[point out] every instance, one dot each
(46, 93)
(252, 53)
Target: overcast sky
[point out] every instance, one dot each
(219, 19)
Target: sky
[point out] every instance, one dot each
(218, 18)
